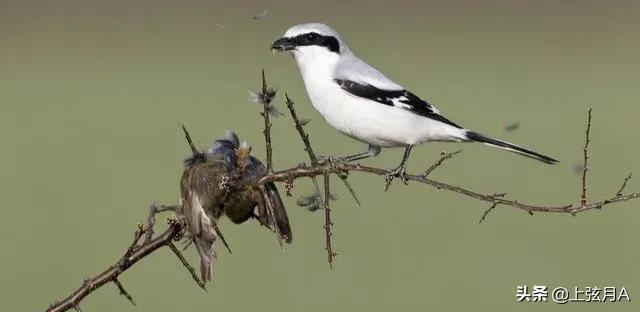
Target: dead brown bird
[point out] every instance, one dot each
(224, 180)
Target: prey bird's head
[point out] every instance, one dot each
(243, 154)
(312, 42)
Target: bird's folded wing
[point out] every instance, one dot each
(398, 98)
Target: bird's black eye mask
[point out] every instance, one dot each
(313, 38)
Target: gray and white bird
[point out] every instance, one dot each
(362, 103)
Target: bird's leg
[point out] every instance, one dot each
(400, 171)
(371, 152)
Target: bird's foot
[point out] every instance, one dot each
(399, 172)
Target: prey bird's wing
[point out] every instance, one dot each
(397, 97)
(272, 200)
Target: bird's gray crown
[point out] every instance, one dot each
(314, 34)
(318, 28)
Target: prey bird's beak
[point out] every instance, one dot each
(283, 45)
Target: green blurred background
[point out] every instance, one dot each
(92, 92)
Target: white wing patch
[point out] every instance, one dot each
(398, 102)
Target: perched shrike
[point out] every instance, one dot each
(362, 103)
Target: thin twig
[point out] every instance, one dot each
(305, 140)
(327, 222)
(486, 212)
(343, 177)
(151, 219)
(443, 156)
(265, 97)
(267, 124)
(136, 237)
(187, 136)
(219, 233)
(186, 264)
(124, 291)
(493, 206)
(111, 274)
(624, 184)
(303, 134)
(585, 166)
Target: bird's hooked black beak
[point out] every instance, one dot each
(283, 45)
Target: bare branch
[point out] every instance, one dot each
(186, 264)
(124, 291)
(337, 166)
(303, 134)
(187, 136)
(327, 221)
(486, 212)
(131, 257)
(443, 156)
(305, 140)
(266, 101)
(136, 237)
(624, 184)
(151, 219)
(346, 183)
(493, 206)
(219, 233)
(585, 166)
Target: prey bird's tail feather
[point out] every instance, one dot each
(272, 198)
(479, 137)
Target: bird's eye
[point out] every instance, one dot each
(312, 36)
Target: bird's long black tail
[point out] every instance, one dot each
(479, 137)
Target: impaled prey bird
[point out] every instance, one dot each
(224, 180)
(362, 103)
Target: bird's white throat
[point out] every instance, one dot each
(316, 61)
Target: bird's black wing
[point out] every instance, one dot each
(398, 98)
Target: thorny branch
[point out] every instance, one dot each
(327, 193)
(339, 167)
(140, 248)
(314, 162)
(585, 165)
(305, 141)
(443, 156)
(328, 224)
(266, 96)
(144, 242)
(303, 134)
